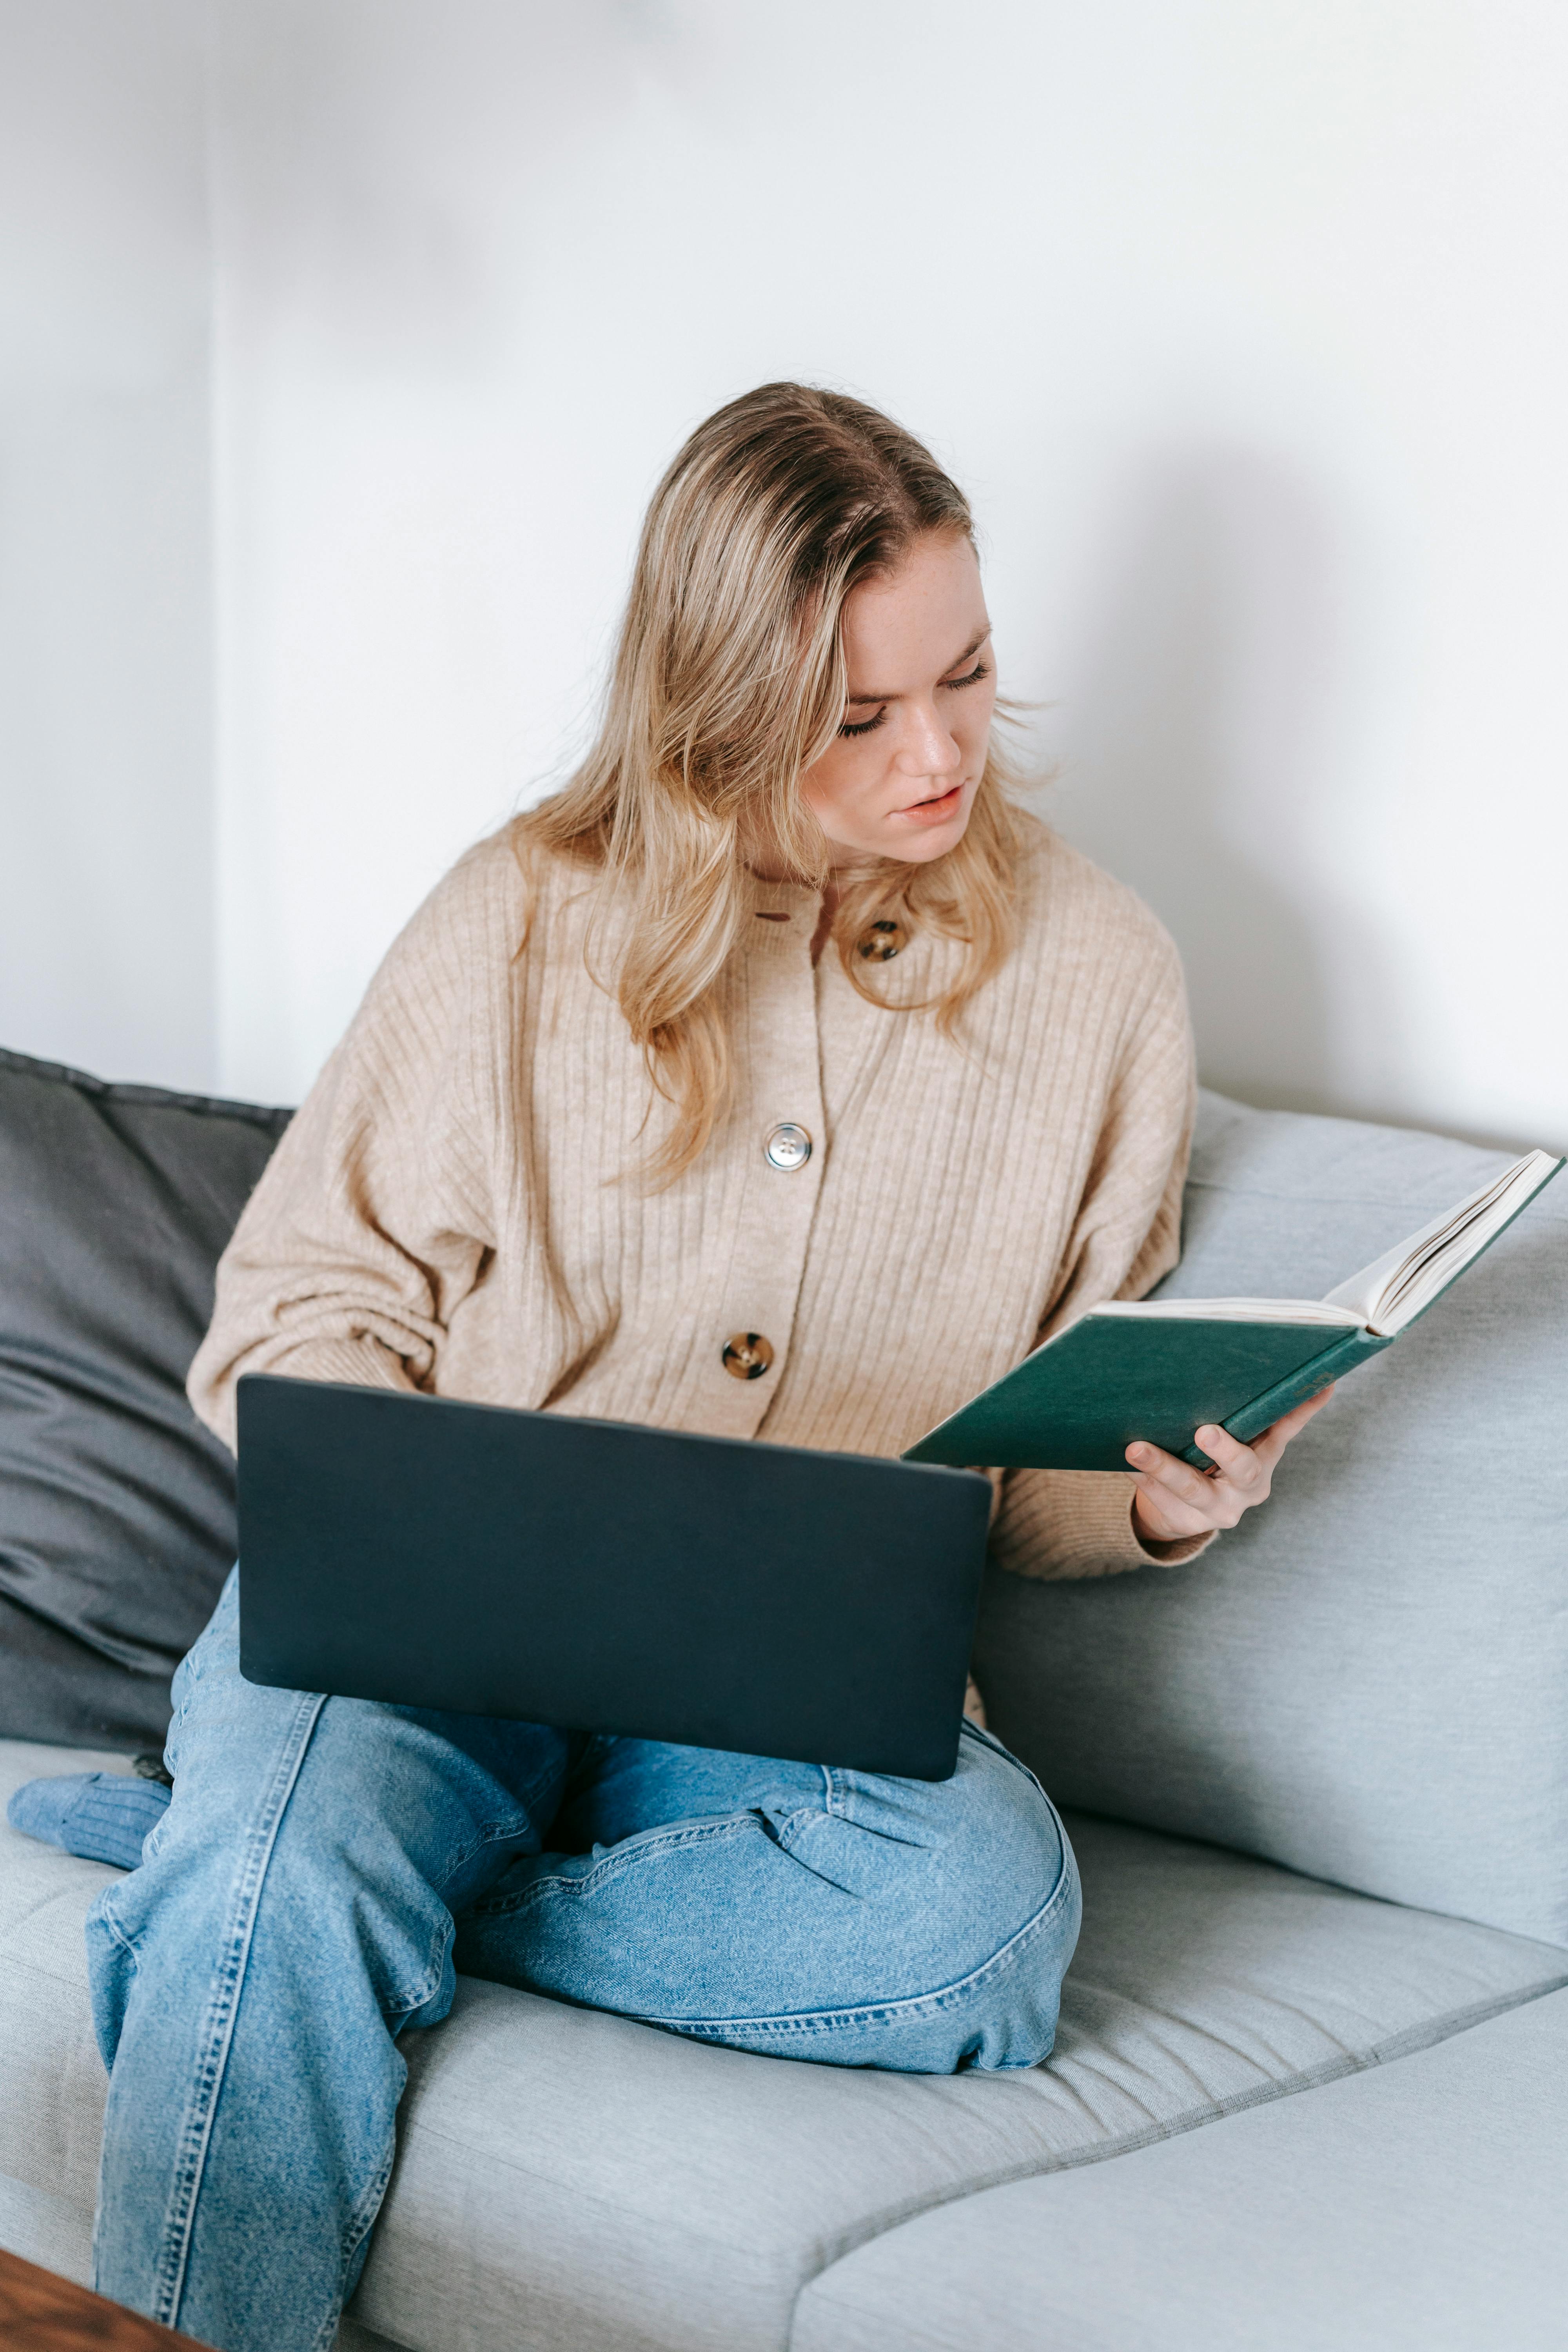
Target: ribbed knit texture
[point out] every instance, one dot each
(458, 1206)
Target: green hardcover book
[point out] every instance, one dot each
(1160, 1369)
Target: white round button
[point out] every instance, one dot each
(787, 1147)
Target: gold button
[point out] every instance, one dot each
(881, 942)
(747, 1355)
(788, 1147)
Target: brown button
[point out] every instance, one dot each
(881, 942)
(747, 1355)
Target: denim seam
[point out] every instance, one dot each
(360, 2221)
(212, 2058)
(968, 1730)
(930, 2004)
(494, 1833)
(108, 1920)
(625, 1857)
(406, 1999)
(403, 2004)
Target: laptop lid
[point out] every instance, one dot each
(714, 1592)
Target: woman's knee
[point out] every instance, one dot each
(1005, 1830)
(1013, 1929)
(1004, 2014)
(969, 1861)
(966, 1919)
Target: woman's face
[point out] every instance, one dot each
(901, 779)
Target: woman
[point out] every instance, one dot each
(777, 1078)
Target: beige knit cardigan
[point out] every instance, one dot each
(457, 1208)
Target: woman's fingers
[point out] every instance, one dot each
(1168, 1521)
(1175, 1500)
(1164, 1470)
(1238, 1463)
(1274, 1440)
(1182, 1499)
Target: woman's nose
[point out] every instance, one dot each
(929, 750)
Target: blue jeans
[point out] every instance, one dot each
(326, 1866)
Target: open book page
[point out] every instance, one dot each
(1401, 1285)
(1385, 1296)
(1232, 1310)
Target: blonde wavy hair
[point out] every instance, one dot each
(728, 681)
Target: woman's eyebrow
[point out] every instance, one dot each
(972, 647)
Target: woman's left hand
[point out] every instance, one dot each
(1173, 1499)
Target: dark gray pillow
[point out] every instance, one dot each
(116, 1506)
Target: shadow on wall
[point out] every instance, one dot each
(1200, 764)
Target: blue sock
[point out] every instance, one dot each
(101, 1816)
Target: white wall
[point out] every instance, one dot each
(1241, 321)
(106, 773)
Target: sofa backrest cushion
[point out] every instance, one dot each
(1366, 1680)
(116, 1506)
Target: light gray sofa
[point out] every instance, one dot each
(1310, 2089)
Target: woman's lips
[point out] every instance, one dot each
(934, 812)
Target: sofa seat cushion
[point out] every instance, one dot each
(567, 2178)
(1418, 2208)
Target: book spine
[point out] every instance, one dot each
(1264, 1410)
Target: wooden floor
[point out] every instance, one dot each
(41, 2311)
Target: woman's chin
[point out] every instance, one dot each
(908, 845)
(918, 844)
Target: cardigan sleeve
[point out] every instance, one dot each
(371, 1221)
(1076, 1523)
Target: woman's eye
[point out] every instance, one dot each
(982, 670)
(864, 726)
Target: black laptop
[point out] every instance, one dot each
(715, 1591)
